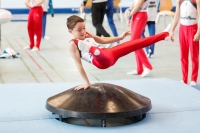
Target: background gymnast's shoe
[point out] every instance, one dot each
(35, 49)
(9, 53)
(134, 72)
(145, 72)
(27, 48)
(193, 83)
(46, 37)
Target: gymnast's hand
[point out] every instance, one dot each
(196, 37)
(171, 36)
(84, 86)
(123, 35)
(127, 14)
(27, 5)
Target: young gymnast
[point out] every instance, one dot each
(86, 46)
(34, 23)
(138, 18)
(188, 11)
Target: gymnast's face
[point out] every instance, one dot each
(79, 31)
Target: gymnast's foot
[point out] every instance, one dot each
(27, 48)
(46, 37)
(134, 72)
(193, 83)
(168, 28)
(35, 49)
(145, 72)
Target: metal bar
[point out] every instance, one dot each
(103, 122)
(60, 118)
(1, 50)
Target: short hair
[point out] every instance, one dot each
(73, 20)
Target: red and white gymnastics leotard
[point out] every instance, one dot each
(104, 58)
(35, 24)
(138, 23)
(188, 28)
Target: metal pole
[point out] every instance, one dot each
(60, 118)
(0, 36)
(103, 122)
(1, 50)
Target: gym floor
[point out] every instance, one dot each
(54, 64)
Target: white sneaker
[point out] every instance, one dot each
(134, 72)
(46, 37)
(149, 50)
(182, 81)
(145, 72)
(150, 56)
(35, 49)
(193, 83)
(27, 48)
(83, 15)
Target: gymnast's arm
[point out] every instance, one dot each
(84, 2)
(175, 21)
(76, 56)
(197, 35)
(136, 7)
(132, 6)
(27, 3)
(106, 40)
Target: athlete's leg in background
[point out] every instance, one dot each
(38, 25)
(31, 27)
(98, 12)
(109, 14)
(138, 23)
(108, 57)
(184, 51)
(194, 50)
(143, 36)
(152, 31)
(44, 20)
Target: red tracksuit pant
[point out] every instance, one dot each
(109, 56)
(138, 23)
(186, 36)
(35, 26)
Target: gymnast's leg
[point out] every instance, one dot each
(104, 58)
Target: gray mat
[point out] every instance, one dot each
(176, 107)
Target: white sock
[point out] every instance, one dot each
(168, 28)
(145, 72)
(134, 72)
(193, 83)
